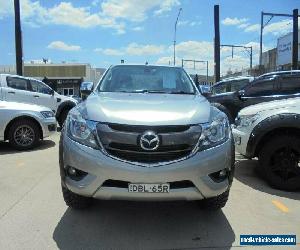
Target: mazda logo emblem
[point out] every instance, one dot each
(149, 141)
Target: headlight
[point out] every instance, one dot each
(81, 130)
(47, 114)
(247, 120)
(216, 132)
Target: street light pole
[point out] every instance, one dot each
(175, 35)
(18, 39)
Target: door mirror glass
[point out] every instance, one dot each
(86, 89)
(241, 93)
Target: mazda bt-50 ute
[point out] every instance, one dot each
(146, 133)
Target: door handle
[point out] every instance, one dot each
(36, 96)
(11, 92)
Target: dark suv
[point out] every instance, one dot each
(233, 94)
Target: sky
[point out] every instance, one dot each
(104, 32)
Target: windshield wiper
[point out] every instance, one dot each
(181, 93)
(150, 91)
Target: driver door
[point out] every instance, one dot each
(43, 95)
(260, 91)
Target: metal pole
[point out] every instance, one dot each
(18, 39)
(182, 63)
(174, 51)
(260, 41)
(251, 57)
(295, 39)
(217, 43)
(207, 71)
(174, 55)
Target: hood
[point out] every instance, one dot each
(146, 109)
(66, 98)
(265, 106)
(22, 106)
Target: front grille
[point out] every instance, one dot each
(138, 149)
(141, 129)
(123, 142)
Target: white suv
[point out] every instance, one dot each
(271, 132)
(28, 90)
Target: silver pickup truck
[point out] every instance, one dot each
(146, 133)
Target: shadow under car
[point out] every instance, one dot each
(143, 225)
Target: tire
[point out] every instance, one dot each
(24, 127)
(215, 203)
(224, 110)
(75, 201)
(279, 160)
(62, 117)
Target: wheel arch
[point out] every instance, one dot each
(224, 107)
(277, 124)
(23, 117)
(63, 106)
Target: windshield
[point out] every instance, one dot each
(146, 79)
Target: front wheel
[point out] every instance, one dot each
(280, 162)
(75, 201)
(215, 203)
(24, 134)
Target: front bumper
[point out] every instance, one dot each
(241, 140)
(101, 168)
(48, 126)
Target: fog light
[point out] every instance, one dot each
(72, 171)
(75, 174)
(219, 176)
(223, 173)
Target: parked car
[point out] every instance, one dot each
(146, 133)
(248, 91)
(23, 125)
(204, 89)
(15, 88)
(271, 132)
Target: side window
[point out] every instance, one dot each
(289, 85)
(17, 83)
(238, 85)
(40, 87)
(262, 88)
(219, 89)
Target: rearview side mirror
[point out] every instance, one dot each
(241, 94)
(86, 89)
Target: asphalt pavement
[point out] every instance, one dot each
(33, 214)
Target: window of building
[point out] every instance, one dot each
(68, 91)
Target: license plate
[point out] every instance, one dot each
(148, 188)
